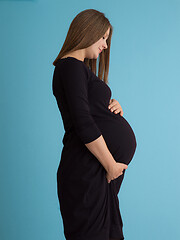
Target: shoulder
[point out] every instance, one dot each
(73, 66)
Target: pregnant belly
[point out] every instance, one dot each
(119, 137)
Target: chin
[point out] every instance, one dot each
(97, 55)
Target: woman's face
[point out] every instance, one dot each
(95, 49)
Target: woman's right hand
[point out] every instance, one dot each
(115, 171)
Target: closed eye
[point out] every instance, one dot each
(104, 38)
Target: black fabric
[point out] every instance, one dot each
(89, 205)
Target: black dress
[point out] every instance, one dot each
(89, 205)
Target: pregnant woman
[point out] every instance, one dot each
(98, 143)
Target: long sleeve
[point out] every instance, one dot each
(74, 77)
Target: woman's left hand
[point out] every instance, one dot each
(115, 106)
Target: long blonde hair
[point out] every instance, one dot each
(86, 29)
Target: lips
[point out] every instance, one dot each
(100, 50)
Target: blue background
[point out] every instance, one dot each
(144, 77)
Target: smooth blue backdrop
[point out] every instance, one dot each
(144, 77)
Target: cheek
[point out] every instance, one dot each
(98, 43)
(95, 47)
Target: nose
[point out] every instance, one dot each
(105, 45)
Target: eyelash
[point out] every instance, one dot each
(104, 38)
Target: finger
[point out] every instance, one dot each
(121, 113)
(114, 106)
(108, 181)
(117, 111)
(113, 102)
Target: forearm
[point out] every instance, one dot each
(100, 150)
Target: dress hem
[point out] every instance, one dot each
(102, 235)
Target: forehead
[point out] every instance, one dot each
(107, 32)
